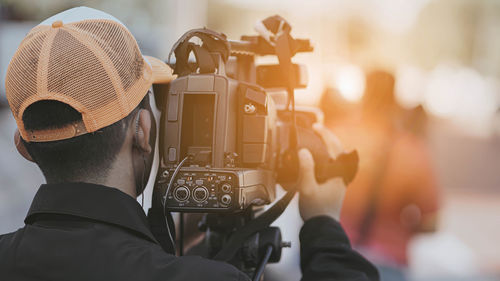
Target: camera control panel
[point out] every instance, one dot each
(202, 191)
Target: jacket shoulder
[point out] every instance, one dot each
(8, 240)
(198, 268)
(8, 245)
(211, 270)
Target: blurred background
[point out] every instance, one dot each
(441, 60)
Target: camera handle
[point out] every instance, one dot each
(253, 226)
(345, 165)
(251, 252)
(210, 56)
(262, 248)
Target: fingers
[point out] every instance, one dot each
(307, 178)
(339, 185)
(332, 143)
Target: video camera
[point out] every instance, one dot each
(227, 135)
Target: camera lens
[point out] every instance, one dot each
(225, 199)
(200, 194)
(181, 193)
(226, 187)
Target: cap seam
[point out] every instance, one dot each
(43, 64)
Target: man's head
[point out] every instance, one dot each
(77, 87)
(89, 156)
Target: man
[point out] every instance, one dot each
(395, 196)
(77, 87)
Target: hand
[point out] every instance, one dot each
(320, 199)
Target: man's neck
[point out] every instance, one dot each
(121, 174)
(119, 178)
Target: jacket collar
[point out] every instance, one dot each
(90, 201)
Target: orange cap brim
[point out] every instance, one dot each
(162, 73)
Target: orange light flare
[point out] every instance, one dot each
(347, 79)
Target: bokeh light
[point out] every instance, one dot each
(410, 85)
(350, 81)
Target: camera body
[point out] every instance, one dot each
(228, 130)
(224, 140)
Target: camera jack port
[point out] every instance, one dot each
(226, 188)
(200, 194)
(181, 193)
(225, 199)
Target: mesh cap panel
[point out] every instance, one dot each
(22, 72)
(70, 62)
(120, 53)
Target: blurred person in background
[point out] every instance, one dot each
(394, 196)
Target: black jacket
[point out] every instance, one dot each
(82, 231)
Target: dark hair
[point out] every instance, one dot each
(88, 156)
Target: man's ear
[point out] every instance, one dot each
(21, 148)
(143, 129)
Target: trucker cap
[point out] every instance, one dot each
(86, 59)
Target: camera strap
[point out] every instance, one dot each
(253, 226)
(204, 59)
(212, 43)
